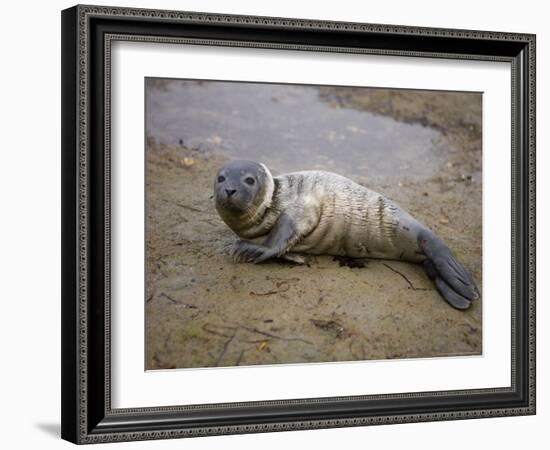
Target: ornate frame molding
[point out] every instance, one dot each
(80, 423)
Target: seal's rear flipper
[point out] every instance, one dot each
(452, 280)
(454, 299)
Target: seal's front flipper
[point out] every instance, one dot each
(246, 251)
(281, 237)
(452, 280)
(296, 258)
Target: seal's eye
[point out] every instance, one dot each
(221, 179)
(249, 180)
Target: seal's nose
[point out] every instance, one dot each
(230, 192)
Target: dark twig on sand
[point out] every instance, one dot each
(220, 330)
(239, 359)
(282, 284)
(274, 336)
(285, 287)
(173, 300)
(177, 302)
(411, 286)
(224, 349)
(209, 328)
(190, 208)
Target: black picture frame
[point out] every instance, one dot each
(87, 32)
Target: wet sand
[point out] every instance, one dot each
(203, 310)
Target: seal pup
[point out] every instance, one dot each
(318, 212)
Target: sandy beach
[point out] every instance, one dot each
(421, 149)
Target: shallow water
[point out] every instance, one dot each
(288, 127)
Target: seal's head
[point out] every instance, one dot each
(243, 191)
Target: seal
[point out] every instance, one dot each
(318, 212)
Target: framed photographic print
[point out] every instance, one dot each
(278, 224)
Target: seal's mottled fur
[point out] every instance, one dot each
(317, 212)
